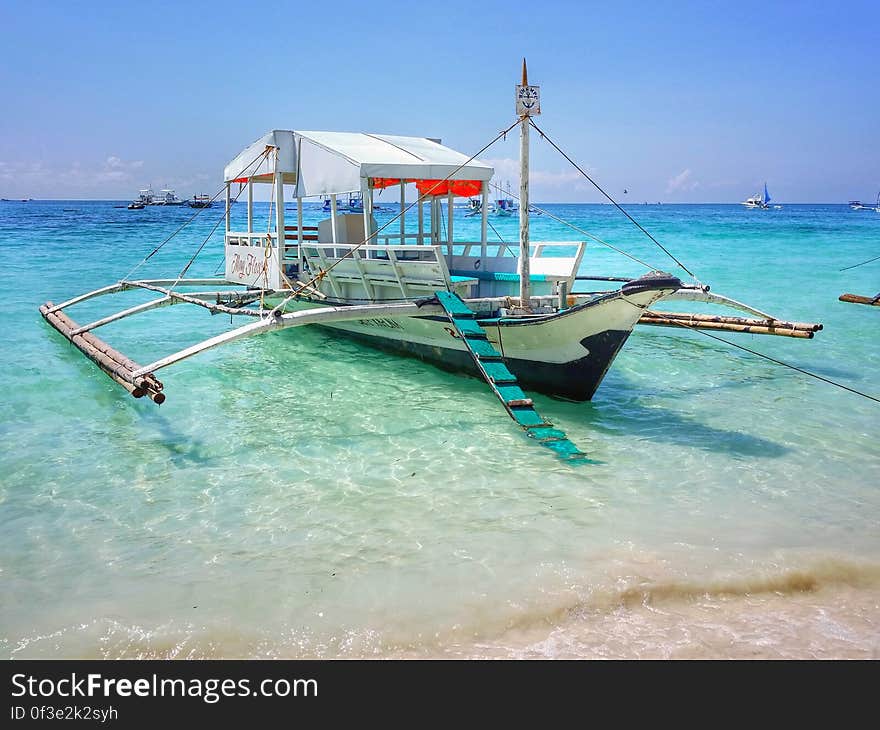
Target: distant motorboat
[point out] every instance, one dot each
(146, 196)
(355, 204)
(136, 205)
(200, 201)
(857, 205)
(167, 197)
(758, 201)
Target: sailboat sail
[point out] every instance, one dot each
(766, 195)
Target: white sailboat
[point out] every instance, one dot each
(758, 200)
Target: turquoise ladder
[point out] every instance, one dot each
(503, 383)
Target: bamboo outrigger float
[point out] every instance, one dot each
(858, 299)
(479, 307)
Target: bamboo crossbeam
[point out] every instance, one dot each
(120, 315)
(858, 299)
(801, 330)
(181, 282)
(111, 289)
(703, 295)
(321, 315)
(113, 363)
(193, 299)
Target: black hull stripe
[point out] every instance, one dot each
(576, 380)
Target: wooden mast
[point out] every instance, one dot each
(524, 288)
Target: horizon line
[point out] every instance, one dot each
(395, 202)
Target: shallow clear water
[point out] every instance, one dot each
(299, 495)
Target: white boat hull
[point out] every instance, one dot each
(565, 354)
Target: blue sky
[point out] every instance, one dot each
(672, 101)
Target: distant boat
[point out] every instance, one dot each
(136, 205)
(200, 201)
(474, 207)
(167, 197)
(758, 200)
(857, 205)
(355, 204)
(146, 196)
(506, 206)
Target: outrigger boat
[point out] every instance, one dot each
(505, 314)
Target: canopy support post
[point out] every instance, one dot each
(228, 206)
(402, 211)
(333, 212)
(449, 208)
(484, 220)
(299, 229)
(368, 209)
(280, 237)
(250, 205)
(421, 220)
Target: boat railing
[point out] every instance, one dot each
(389, 238)
(551, 262)
(497, 249)
(353, 270)
(255, 238)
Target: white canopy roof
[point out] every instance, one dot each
(326, 163)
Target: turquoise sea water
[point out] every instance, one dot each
(300, 495)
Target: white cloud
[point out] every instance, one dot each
(507, 168)
(117, 170)
(682, 182)
(113, 169)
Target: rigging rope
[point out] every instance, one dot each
(778, 362)
(321, 274)
(580, 230)
(613, 201)
(847, 268)
(495, 231)
(208, 237)
(193, 217)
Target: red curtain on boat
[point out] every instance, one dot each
(385, 182)
(462, 188)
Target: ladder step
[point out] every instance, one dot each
(565, 449)
(503, 382)
(453, 305)
(469, 328)
(498, 372)
(526, 416)
(482, 348)
(545, 432)
(509, 393)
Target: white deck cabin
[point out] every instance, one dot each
(394, 264)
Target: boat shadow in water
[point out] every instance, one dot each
(637, 420)
(181, 447)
